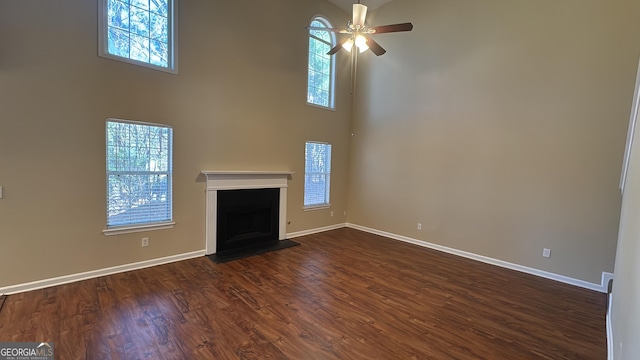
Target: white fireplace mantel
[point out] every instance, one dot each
(234, 180)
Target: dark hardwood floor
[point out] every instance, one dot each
(342, 294)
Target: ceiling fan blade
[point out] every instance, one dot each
(335, 49)
(391, 28)
(359, 14)
(375, 47)
(342, 31)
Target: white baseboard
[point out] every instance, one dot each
(604, 282)
(35, 285)
(485, 259)
(40, 284)
(609, 329)
(315, 231)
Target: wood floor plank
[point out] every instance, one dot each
(342, 294)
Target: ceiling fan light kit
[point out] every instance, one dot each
(359, 41)
(359, 34)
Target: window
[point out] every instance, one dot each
(320, 79)
(139, 32)
(317, 174)
(139, 169)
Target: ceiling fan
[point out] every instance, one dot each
(359, 34)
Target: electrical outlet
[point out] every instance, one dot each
(332, 214)
(345, 213)
(419, 226)
(546, 252)
(0, 192)
(145, 242)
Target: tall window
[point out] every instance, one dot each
(138, 31)
(317, 174)
(139, 169)
(320, 80)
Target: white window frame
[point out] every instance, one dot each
(172, 18)
(139, 227)
(327, 175)
(332, 75)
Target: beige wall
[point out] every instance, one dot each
(625, 306)
(237, 104)
(500, 126)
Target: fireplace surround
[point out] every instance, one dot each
(218, 181)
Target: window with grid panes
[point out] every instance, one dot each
(139, 32)
(320, 78)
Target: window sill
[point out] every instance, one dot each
(316, 207)
(321, 106)
(137, 228)
(168, 69)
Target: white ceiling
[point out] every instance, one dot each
(347, 5)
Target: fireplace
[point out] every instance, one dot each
(248, 222)
(247, 218)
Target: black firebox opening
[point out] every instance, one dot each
(247, 218)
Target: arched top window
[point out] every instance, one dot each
(321, 73)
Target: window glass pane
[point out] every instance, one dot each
(144, 4)
(315, 185)
(323, 35)
(324, 98)
(139, 48)
(326, 66)
(320, 81)
(118, 42)
(139, 21)
(160, 7)
(118, 14)
(138, 174)
(139, 30)
(313, 62)
(317, 173)
(320, 67)
(159, 27)
(320, 97)
(159, 53)
(138, 199)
